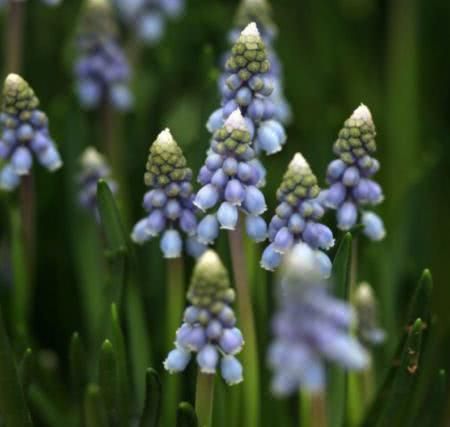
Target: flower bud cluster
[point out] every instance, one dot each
(93, 168)
(230, 179)
(209, 324)
(296, 217)
(148, 17)
(24, 132)
(349, 176)
(102, 70)
(247, 85)
(169, 202)
(310, 327)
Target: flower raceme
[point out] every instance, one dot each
(101, 70)
(297, 217)
(350, 176)
(169, 201)
(247, 85)
(93, 168)
(310, 327)
(148, 17)
(24, 133)
(230, 179)
(209, 324)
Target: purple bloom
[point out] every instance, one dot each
(230, 179)
(350, 176)
(24, 133)
(208, 327)
(296, 217)
(169, 203)
(310, 327)
(93, 168)
(102, 70)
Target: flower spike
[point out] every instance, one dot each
(169, 201)
(24, 133)
(209, 325)
(349, 176)
(297, 217)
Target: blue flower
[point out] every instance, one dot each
(350, 176)
(102, 70)
(209, 324)
(310, 327)
(148, 17)
(296, 217)
(93, 168)
(24, 133)
(230, 180)
(169, 203)
(248, 84)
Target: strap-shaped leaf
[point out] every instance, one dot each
(186, 416)
(108, 381)
(26, 368)
(78, 366)
(94, 409)
(13, 408)
(152, 409)
(337, 386)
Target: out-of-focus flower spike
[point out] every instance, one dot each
(102, 70)
(310, 327)
(297, 215)
(169, 203)
(93, 168)
(209, 323)
(350, 176)
(24, 133)
(366, 305)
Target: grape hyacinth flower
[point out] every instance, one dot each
(230, 180)
(349, 176)
(148, 17)
(169, 202)
(259, 11)
(102, 70)
(24, 132)
(209, 324)
(296, 217)
(93, 168)
(369, 331)
(310, 327)
(247, 85)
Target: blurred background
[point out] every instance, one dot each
(390, 55)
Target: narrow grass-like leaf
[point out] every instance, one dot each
(26, 368)
(118, 343)
(420, 306)
(186, 416)
(94, 409)
(78, 366)
(13, 408)
(395, 411)
(44, 406)
(433, 408)
(108, 381)
(338, 379)
(152, 408)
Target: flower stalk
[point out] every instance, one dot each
(204, 399)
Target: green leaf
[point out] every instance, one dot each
(420, 306)
(94, 410)
(152, 408)
(108, 381)
(338, 378)
(13, 408)
(44, 406)
(26, 368)
(432, 412)
(186, 416)
(118, 343)
(395, 411)
(77, 366)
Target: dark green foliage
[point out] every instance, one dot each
(186, 416)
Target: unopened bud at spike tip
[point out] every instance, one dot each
(251, 30)
(362, 113)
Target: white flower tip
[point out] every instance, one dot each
(362, 113)
(250, 30)
(13, 79)
(91, 158)
(364, 293)
(55, 166)
(235, 121)
(299, 162)
(209, 261)
(165, 137)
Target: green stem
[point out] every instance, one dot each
(175, 304)
(204, 399)
(313, 409)
(15, 20)
(246, 317)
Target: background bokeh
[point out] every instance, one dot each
(391, 55)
